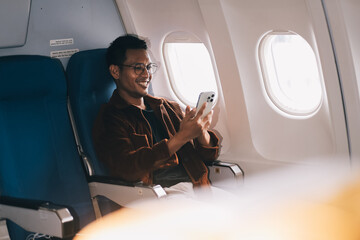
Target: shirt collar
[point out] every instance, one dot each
(117, 101)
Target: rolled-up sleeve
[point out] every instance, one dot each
(209, 153)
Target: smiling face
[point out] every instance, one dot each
(131, 86)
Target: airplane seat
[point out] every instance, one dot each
(42, 180)
(90, 85)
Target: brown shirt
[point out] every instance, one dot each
(123, 141)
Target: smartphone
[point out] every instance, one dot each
(209, 98)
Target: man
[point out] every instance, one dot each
(144, 138)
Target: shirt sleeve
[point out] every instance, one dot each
(208, 153)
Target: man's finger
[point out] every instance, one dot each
(190, 113)
(187, 110)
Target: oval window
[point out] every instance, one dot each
(190, 70)
(290, 73)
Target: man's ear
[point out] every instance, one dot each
(114, 71)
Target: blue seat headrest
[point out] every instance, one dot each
(24, 80)
(88, 74)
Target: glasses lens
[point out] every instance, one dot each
(139, 68)
(151, 68)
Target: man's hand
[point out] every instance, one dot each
(205, 139)
(192, 126)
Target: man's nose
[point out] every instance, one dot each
(146, 73)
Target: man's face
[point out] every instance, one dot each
(130, 84)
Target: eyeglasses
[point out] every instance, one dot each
(139, 68)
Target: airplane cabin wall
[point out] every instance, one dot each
(254, 133)
(279, 137)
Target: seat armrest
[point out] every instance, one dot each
(38, 216)
(233, 167)
(225, 174)
(122, 192)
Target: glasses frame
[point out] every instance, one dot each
(151, 68)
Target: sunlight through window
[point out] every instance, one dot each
(190, 70)
(291, 75)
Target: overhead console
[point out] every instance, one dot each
(14, 19)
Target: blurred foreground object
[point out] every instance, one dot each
(318, 205)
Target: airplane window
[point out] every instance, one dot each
(190, 70)
(291, 75)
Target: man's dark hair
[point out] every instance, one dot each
(116, 52)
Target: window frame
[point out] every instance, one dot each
(184, 37)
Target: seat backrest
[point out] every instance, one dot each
(38, 155)
(90, 85)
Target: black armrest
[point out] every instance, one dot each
(22, 203)
(110, 180)
(38, 216)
